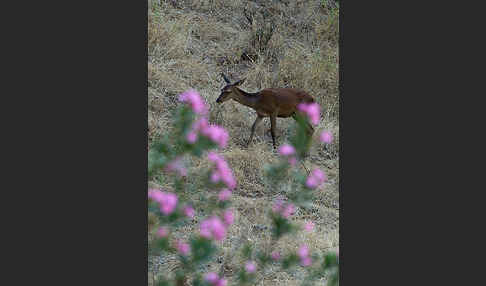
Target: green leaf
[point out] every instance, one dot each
(161, 244)
(162, 282)
(290, 261)
(330, 260)
(202, 249)
(247, 251)
(263, 258)
(281, 226)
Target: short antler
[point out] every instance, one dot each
(225, 78)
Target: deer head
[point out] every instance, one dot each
(227, 92)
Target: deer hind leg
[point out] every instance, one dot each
(273, 123)
(310, 130)
(253, 127)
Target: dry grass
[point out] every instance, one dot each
(272, 44)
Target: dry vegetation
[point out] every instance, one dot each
(278, 43)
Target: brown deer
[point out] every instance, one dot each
(269, 102)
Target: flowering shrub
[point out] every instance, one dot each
(312, 110)
(193, 135)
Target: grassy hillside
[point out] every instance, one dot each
(290, 43)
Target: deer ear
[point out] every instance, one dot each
(240, 82)
(225, 78)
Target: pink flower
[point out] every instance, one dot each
(213, 227)
(286, 150)
(292, 161)
(177, 166)
(285, 210)
(162, 232)
(211, 277)
(312, 110)
(200, 124)
(217, 134)
(191, 137)
(221, 282)
(288, 211)
(302, 107)
(309, 226)
(215, 177)
(275, 255)
(189, 211)
(250, 267)
(218, 229)
(303, 251)
(227, 177)
(277, 206)
(194, 100)
(168, 203)
(224, 195)
(214, 157)
(316, 178)
(183, 247)
(326, 137)
(306, 261)
(222, 171)
(205, 229)
(155, 195)
(228, 217)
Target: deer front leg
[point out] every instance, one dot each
(273, 123)
(253, 127)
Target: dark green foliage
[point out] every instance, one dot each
(159, 246)
(303, 198)
(202, 250)
(202, 145)
(156, 159)
(281, 226)
(289, 261)
(263, 258)
(247, 251)
(162, 282)
(183, 122)
(179, 277)
(245, 278)
(330, 260)
(329, 266)
(301, 139)
(198, 281)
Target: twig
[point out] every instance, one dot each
(308, 172)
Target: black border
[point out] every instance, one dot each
(409, 90)
(79, 108)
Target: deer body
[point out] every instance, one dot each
(270, 102)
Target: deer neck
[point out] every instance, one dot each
(245, 98)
